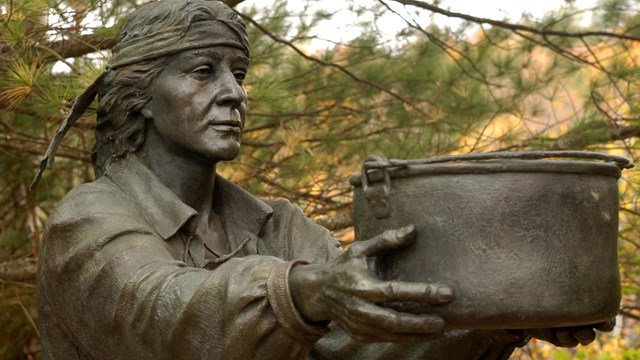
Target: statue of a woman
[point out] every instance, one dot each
(160, 258)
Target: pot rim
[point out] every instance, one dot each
(499, 162)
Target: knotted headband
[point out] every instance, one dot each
(170, 41)
(187, 27)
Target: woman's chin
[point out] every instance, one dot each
(226, 153)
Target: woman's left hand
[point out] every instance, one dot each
(571, 336)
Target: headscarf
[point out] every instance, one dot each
(156, 30)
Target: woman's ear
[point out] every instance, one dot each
(146, 112)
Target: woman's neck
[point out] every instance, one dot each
(190, 180)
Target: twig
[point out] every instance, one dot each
(338, 67)
(519, 27)
(18, 283)
(26, 313)
(448, 49)
(18, 270)
(629, 314)
(56, 55)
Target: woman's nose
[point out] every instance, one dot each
(230, 93)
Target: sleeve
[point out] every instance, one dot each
(304, 239)
(118, 294)
(290, 235)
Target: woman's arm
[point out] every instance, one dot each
(113, 291)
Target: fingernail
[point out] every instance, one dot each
(445, 293)
(404, 231)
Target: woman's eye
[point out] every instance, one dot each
(239, 75)
(202, 70)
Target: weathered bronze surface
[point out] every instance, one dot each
(161, 258)
(523, 243)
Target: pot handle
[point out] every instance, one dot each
(378, 194)
(379, 163)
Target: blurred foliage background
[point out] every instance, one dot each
(315, 113)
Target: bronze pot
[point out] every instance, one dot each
(526, 239)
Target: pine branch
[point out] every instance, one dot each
(27, 150)
(335, 222)
(340, 68)
(629, 314)
(626, 132)
(23, 269)
(456, 55)
(232, 3)
(86, 44)
(82, 45)
(515, 27)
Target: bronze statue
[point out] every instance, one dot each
(160, 258)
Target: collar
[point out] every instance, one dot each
(167, 214)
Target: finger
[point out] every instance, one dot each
(416, 338)
(387, 319)
(357, 328)
(606, 326)
(388, 240)
(584, 335)
(386, 291)
(366, 333)
(369, 333)
(565, 338)
(378, 336)
(360, 317)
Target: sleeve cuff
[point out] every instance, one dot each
(281, 302)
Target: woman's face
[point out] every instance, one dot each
(197, 109)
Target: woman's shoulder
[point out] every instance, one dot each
(93, 199)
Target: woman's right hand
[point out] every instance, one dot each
(345, 291)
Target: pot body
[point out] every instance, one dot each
(523, 244)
